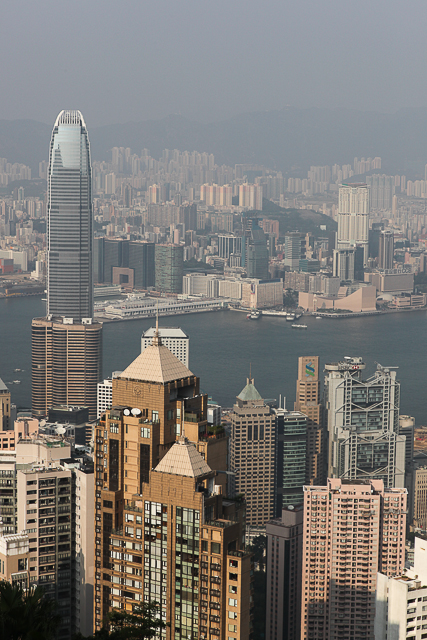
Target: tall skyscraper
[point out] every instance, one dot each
(70, 220)
(67, 344)
(252, 453)
(362, 418)
(163, 532)
(352, 530)
(169, 268)
(291, 455)
(5, 402)
(308, 402)
(386, 250)
(353, 218)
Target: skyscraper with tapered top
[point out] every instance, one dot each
(67, 344)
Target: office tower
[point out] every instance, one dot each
(352, 530)
(195, 568)
(401, 600)
(343, 264)
(362, 418)
(291, 458)
(293, 249)
(5, 402)
(353, 218)
(308, 402)
(407, 429)
(386, 250)
(66, 364)
(174, 338)
(254, 250)
(125, 262)
(417, 491)
(252, 453)
(284, 570)
(67, 344)
(70, 222)
(229, 244)
(54, 503)
(169, 268)
(188, 215)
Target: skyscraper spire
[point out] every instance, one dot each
(156, 338)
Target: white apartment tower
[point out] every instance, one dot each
(174, 338)
(353, 218)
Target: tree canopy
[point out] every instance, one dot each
(141, 624)
(27, 615)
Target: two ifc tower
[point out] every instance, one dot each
(67, 344)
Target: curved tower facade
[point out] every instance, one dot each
(70, 226)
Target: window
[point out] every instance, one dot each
(232, 627)
(215, 547)
(232, 615)
(232, 602)
(155, 416)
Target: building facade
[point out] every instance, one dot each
(362, 419)
(70, 220)
(284, 570)
(352, 530)
(66, 364)
(291, 458)
(353, 218)
(169, 268)
(252, 453)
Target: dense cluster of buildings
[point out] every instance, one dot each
(139, 489)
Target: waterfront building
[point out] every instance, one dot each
(386, 250)
(401, 600)
(124, 262)
(293, 250)
(353, 218)
(343, 264)
(308, 402)
(291, 458)
(196, 568)
(66, 364)
(284, 570)
(70, 220)
(255, 251)
(252, 453)
(362, 418)
(174, 338)
(5, 404)
(352, 530)
(169, 269)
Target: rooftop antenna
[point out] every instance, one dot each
(156, 338)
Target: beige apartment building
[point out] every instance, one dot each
(164, 530)
(352, 531)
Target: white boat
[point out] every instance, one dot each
(290, 317)
(16, 370)
(16, 382)
(318, 317)
(254, 315)
(299, 326)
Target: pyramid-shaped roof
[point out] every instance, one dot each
(249, 392)
(156, 364)
(183, 459)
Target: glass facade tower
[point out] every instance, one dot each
(70, 223)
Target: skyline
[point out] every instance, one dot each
(131, 63)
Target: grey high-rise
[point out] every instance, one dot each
(70, 227)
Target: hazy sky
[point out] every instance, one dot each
(128, 60)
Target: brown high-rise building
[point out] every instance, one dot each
(66, 364)
(252, 453)
(5, 402)
(308, 402)
(162, 530)
(352, 531)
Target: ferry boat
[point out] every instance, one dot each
(290, 317)
(16, 382)
(299, 326)
(254, 315)
(318, 317)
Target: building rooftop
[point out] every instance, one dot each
(165, 332)
(183, 459)
(3, 386)
(249, 392)
(156, 364)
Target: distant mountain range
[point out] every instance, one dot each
(290, 139)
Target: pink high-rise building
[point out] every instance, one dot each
(352, 530)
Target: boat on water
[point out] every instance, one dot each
(318, 317)
(16, 382)
(290, 317)
(299, 326)
(254, 315)
(16, 370)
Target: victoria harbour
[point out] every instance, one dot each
(224, 345)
